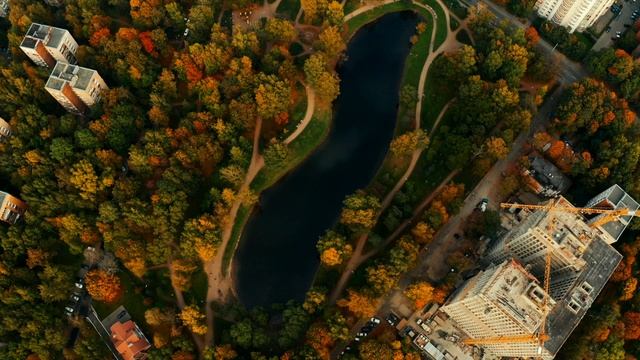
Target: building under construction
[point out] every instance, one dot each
(568, 249)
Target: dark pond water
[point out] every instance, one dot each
(276, 258)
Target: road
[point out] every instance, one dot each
(568, 70)
(432, 259)
(617, 24)
(94, 320)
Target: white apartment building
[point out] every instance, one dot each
(45, 45)
(4, 8)
(502, 301)
(575, 15)
(74, 87)
(11, 208)
(5, 130)
(566, 234)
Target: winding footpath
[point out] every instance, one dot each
(358, 256)
(220, 286)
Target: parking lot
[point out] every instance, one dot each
(617, 25)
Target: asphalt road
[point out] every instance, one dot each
(94, 320)
(432, 259)
(617, 24)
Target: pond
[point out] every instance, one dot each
(276, 259)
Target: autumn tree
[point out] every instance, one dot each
(358, 303)
(103, 286)
(422, 293)
(359, 211)
(194, 319)
(333, 249)
(409, 142)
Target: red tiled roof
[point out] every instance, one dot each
(129, 340)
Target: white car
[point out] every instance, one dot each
(374, 320)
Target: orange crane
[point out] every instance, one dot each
(609, 214)
(541, 336)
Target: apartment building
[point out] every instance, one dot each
(45, 45)
(74, 87)
(565, 234)
(503, 300)
(11, 208)
(4, 8)
(575, 15)
(5, 130)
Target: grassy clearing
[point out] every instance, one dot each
(413, 68)
(454, 24)
(439, 93)
(350, 6)
(132, 299)
(355, 23)
(463, 37)
(299, 149)
(457, 8)
(236, 233)
(289, 8)
(442, 31)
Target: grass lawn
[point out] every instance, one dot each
(315, 133)
(236, 233)
(132, 299)
(437, 95)
(289, 8)
(457, 8)
(351, 5)
(298, 112)
(442, 31)
(454, 24)
(463, 37)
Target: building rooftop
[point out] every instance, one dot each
(77, 76)
(615, 198)
(601, 260)
(548, 174)
(49, 35)
(515, 290)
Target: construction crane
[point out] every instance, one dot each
(541, 336)
(609, 214)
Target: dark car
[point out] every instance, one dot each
(393, 319)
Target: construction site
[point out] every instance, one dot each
(538, 279)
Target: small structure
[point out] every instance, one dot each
(74, 87)
(546, 179)
(128, 339)
(4, 8)
(5, 130)
(45, 45)
(11, 208)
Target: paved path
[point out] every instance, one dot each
(220, 286)
(358, 256)
(311, 105)
(367, 7)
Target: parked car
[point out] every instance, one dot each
(482, 205)
(374, 320)
(393, 319)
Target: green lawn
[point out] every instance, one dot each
(236, 233)
(299, 149)
(435, 98)
(442, 31)
(132, 299)
(289, 8)
(463, 37)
